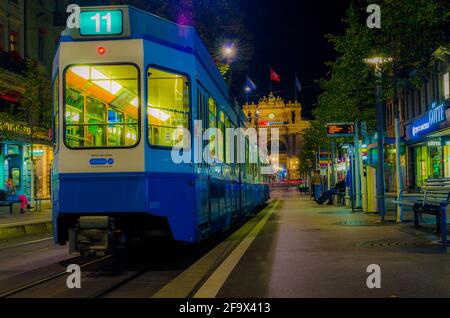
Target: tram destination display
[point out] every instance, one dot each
(340, 129)
(101, 22)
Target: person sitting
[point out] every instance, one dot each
(10, 187)
(11, 191)
(328, 195)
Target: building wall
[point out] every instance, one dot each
(416, 103)
(42, 33)
(11, 20)
(36, 31)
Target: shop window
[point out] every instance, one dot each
(168, 107)
(102, 106)
(12, 150)
(14, 43)
(447, 161)
(421, 165)
(428, 163)
(16, 176)
(435, 162)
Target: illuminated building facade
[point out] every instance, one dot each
(274, 112)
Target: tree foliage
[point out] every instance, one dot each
(36, 102)
(411, 30)
(217, 21)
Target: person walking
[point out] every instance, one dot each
(317, 184)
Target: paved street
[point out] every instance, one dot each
(302, 252)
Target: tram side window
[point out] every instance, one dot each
(226, 137)
(247, 165)
(102, 106)
(220, 139)
(212, 123)
(168, 107)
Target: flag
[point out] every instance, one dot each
(274, 76)
(249, 85)
(298, 85)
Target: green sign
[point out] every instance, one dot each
(101, 22)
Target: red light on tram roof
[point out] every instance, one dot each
(101, 50)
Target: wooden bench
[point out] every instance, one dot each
(434, 199)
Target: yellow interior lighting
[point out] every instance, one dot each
(98, 78)
(158, 114)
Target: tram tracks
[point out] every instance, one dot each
(137, 274)
(47, 279)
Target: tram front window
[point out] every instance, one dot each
(102, 106)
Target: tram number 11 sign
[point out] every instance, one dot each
(101, 22)
(340, 129)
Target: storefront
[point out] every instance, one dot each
(428, 141)
(25, 160)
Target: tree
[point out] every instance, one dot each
(313, 138)
(36, 102)
(411, 31)
(217, 22)
(348, 90)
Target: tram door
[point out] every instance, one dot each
(203, 184)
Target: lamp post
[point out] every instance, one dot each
(378, 62)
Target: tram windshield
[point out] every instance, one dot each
(102, 106)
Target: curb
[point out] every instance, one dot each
(18, 230)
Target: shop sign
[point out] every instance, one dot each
(429, 121)
(15, 128)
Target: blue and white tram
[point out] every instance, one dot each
(121, 88)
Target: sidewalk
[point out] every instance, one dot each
(307, 250)
(32, 222)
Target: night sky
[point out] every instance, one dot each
(289, 36)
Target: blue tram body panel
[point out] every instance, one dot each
(193, 200)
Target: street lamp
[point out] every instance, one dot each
(378, 62)
(229, 53)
